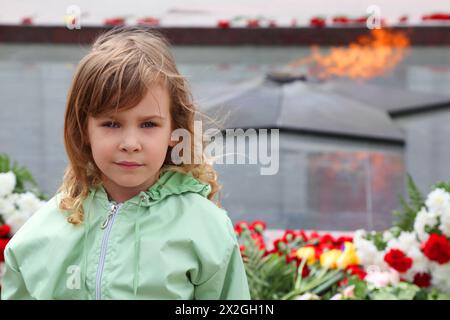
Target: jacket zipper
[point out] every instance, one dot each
(108, 223)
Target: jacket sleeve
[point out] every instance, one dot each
(13, 285)
(229, 282)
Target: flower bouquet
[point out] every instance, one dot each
(299, 266)
(414, 255)
(410, 261)
(17, 203)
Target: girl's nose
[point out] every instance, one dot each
(130, 143)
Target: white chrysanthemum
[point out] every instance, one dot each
(423, 219)
(440, 276)
(445, 222)
(17, 220)
(7, 183)
(420, 264)
(28, 202)
(367, 252)
(359, 234)
(404, 242)
(438, 201)
(6, 207)
(387, 235)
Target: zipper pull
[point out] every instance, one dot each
(108, 218)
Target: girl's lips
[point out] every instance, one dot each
(129, 166)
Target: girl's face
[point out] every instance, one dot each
(140, 135)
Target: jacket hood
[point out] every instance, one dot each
(169, 183)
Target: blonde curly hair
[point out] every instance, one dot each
(120, 67)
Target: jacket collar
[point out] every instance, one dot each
(169, 183)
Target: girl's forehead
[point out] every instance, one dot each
(155, 102)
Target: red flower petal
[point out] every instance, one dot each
(398, 260)
(5, 230)
(437, 248)
(3, 243)
(422, 280)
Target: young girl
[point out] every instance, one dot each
(128, 222)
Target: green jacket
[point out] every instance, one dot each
(168, 242)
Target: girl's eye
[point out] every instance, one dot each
(147, 124)
(108, 124)
(150, 123)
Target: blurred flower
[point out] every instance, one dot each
(438, 201)
(289, 235)
(348, 256)
(318, 22)
(329, 259)
(437, 248)
(382, 279)
(7, 183)
(258, 225)
(223, 24)
(240, 226)
(423, 220)
(398, 260)
(5, 229)
(308, 253)
(307, 296)
(252, 23)
(422, 280)
(3, 243)
(440, 276)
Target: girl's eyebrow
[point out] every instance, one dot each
(154, 116)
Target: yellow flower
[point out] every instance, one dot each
(329, 259)
(348, 256)
(308, 253)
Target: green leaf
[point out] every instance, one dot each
(405, 218)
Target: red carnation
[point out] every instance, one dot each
(398, 260)
(289, 235)
(3, 243)
(223, 24)
(343, 239)
(302, 234)
(341, 20)
(314, 235)
(403, 19)
(361, 19)
(280, 244)
(27, 21)
(356, 271)
(240, 226)
(436, 16)
(437, 248)
(149, 21)
(326, 239)
(259, 241)
(258, 225)
(252, 23)
(114, 21)
(422, 280)
(317, 22)
(5, 230)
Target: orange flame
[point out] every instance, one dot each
(369, 56)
